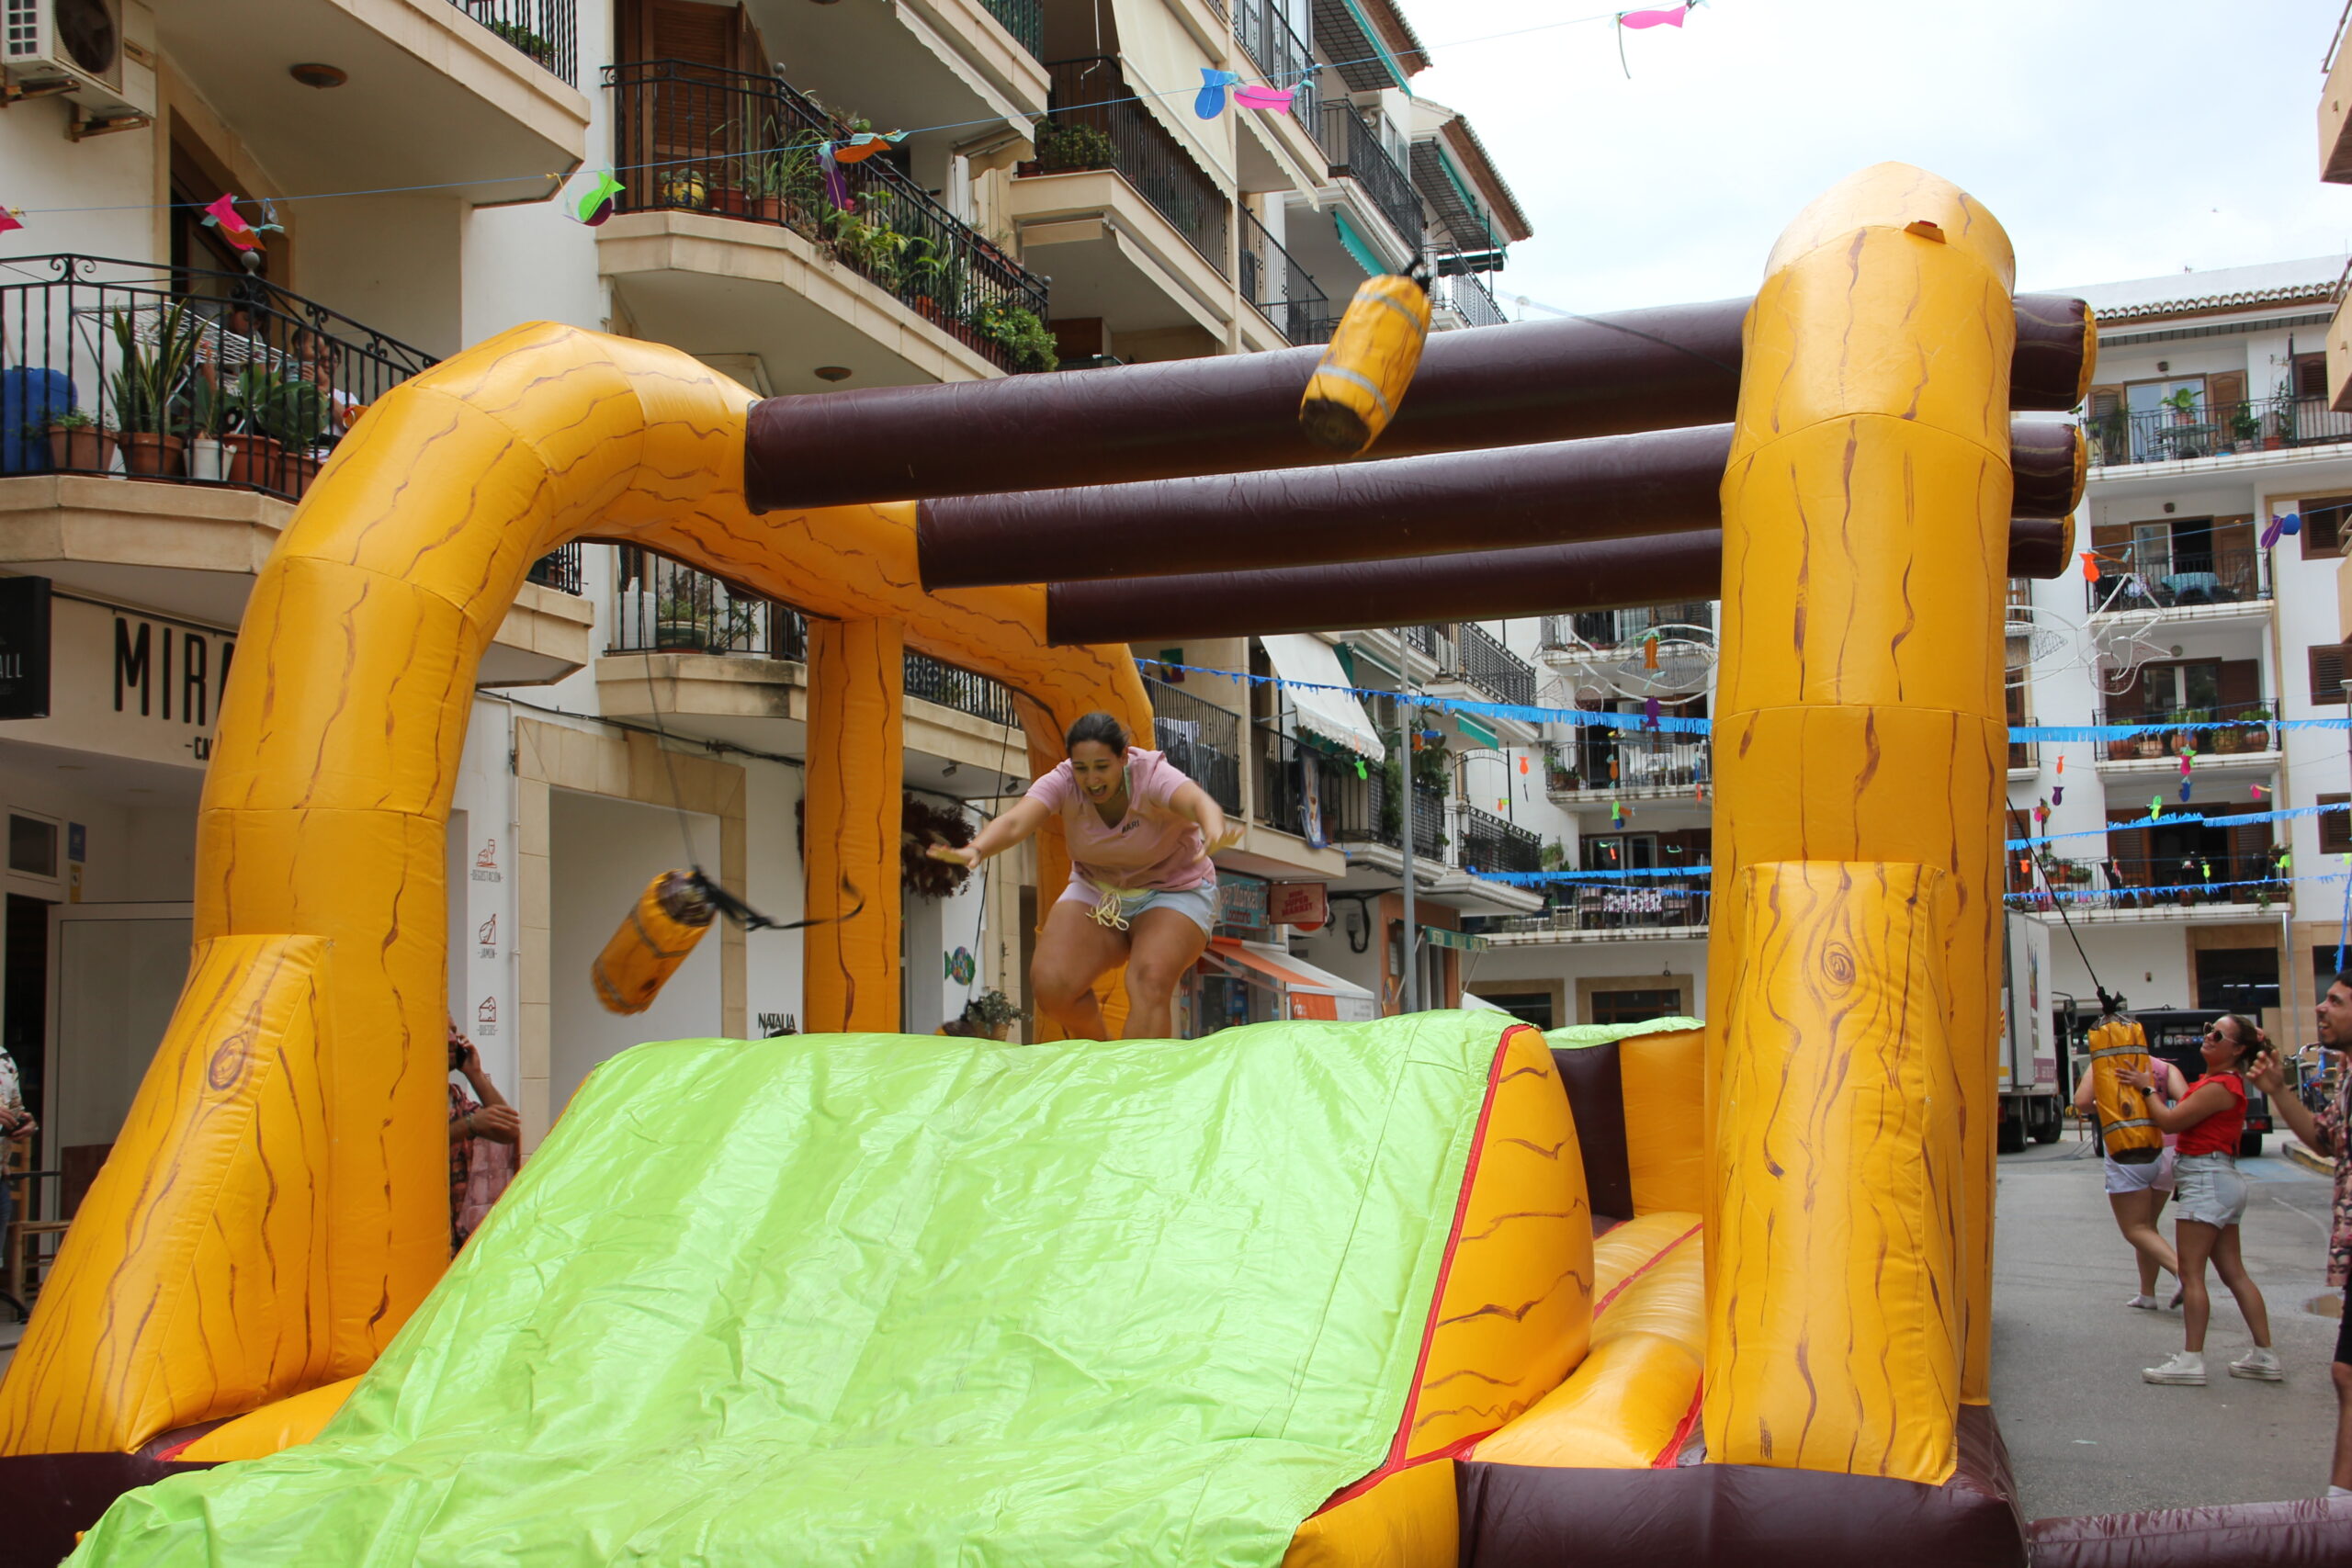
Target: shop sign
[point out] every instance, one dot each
(1306, 905)
(1241, 901)
(24, 648)
(1636, 901)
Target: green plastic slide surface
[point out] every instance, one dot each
(896, 1300)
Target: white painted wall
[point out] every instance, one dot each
(603, 850)
(775, 886)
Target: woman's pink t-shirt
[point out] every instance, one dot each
(1152, 846)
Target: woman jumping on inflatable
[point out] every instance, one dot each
(1142, 890)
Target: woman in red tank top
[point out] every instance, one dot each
(2209, 1196)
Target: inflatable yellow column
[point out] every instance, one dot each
(1858, 713)
(856, 775)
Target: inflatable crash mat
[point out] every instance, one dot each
(897, 1299)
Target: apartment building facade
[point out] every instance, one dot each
(413, 171)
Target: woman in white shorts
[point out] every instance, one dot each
(2137, 1194)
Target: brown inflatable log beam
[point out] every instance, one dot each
(1479, 585)
(1613, 487)
(1511, 386)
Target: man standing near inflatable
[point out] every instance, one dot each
(2325, 1132)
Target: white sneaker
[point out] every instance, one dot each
(2174, 1304)
(2258, 1363)
(2145, 1304)
(2187, 1369)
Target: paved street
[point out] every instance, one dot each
(2085, 1434)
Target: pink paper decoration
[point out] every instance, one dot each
(8, 220)
(1639, 19)
(1264, 98)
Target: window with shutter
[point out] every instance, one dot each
(2322, 524)
(2334, 827)
(2327, 675)
(2311, 375)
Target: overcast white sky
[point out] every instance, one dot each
(2114, 139)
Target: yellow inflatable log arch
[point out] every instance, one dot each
(275, 1206)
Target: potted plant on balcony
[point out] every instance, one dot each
(933, 281)
(782, 185)
(150, 389)
(680, 623)
(283, 420)
(2254, 730)
(77, 441)
(212, 407)
(1065, 149)
(2246, 429)
(1027, 342)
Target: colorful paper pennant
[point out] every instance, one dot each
(1210, 103)
(10, 218)
(1274, 99)
(1640, 19)
(595, 204)
(864, 144)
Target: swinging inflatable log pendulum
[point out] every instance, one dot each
(658, 935)
(1354, 391)
(2119, 1045)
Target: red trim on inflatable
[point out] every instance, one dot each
(1654, 1259)
(1397, 1460)
(1667, 1455)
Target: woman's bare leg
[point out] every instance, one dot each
(2194, 1240)
(1163, 947)
(2135, 1216)
(1073, 952)
(2231, 1266)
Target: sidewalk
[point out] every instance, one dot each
(2085, 1434)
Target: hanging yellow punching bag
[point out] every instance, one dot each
(2119, 1045)
(1376, 348)
(670, 918)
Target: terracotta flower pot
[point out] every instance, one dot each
(254, 460)
(150, 455)
(89, 448)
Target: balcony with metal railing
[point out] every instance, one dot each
(225, 395)
(929, 679)
(546, 32)
(1630, 764)
(2177, 575)
(1024, 19)
(1610, 631)
(1356, 153)
(1282, 56)
(1491, 844)
(2162, 888)
(1475, 657)
(1636, 907)
(1306, 792)
(2194, 428)
(660, 606)
(1098, 124)
(2246, 737)
(1457, 291)
(746, 148)
(1202, 740)
(1282, 290)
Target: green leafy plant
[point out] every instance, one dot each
(149, 388)
(290, 412)
(2181, 399)
(872, 248)
(932, 274)
(523, 39)
(1062, 148)
(1027, 342)
(72, 419)
(2244, 423)
(993, 1010)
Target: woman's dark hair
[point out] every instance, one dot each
(2246, 1037)
(1099, 727)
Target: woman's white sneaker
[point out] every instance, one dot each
(2145, 1304)
(2187, 1369)
(2258, 1363)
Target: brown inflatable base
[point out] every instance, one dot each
(2314, 1533)
(48, 1499)
(1738, 1516)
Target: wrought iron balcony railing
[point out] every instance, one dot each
(1097, 123)
(545, 31)
(2195, 428)
(2150, 882)
(662, 606)
(1454, 286)
(1609, 761)
(1666, 905)
(1356, 153)
(1283, 291)
(1024, 19)
(1267, 37)
(558, 568)
(1603, 631)
(1491, 844)
(930, 681)
(701, 140)
(172, 373)
(2250, 727)
(1202, 740)
(1485, 664)
(2177, 574)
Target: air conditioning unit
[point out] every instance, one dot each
(75, 47)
